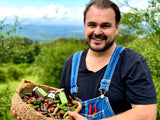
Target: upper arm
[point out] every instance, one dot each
(65, 75)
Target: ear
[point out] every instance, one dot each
(117, 28)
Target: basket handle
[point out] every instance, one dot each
(79, 105)
(77, 110)
(21, 84)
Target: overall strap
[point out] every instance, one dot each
(105, 82)
(74, 72)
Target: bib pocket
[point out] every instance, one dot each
(102, 109)
(95, 116)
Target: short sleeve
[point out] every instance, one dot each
(140, 88)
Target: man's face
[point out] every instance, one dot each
(100, 28)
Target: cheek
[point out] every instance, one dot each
(87, 32)
(111, 33)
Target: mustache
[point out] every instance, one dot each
(102, 37)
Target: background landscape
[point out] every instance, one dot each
(37, 39)
(46, 33)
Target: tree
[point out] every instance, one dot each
(125, 37)
(9, 42)
(145, 22)
(52, 56)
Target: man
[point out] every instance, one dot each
(131, 93)
(112, 83)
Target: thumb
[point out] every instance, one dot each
(76, 116)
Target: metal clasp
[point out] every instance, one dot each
(102, 93)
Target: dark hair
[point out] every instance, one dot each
(104, 4)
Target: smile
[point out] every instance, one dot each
(98, 39)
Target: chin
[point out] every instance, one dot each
(100, 49)
(97, 49)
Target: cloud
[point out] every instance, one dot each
(56, 14)
(141, 4)
(46, 15)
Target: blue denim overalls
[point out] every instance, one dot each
(100, 105)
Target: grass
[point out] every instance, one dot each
(15, 84)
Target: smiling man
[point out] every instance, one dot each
(111, 82)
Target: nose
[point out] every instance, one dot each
(97, 31)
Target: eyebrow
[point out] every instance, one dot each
(91, 23)
(107, 23)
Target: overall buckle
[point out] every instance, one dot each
(103, 92)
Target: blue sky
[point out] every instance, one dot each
(51, 11)
(42, 3)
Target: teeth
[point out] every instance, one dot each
(98, 39)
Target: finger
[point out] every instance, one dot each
(76, 116)
(70, 113)
(18, 118)
(11, 109)
(13, 113)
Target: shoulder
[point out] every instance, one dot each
(130, 54)
(131, 64)
(130, 58)
(68, 61)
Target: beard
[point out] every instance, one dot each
(102, 37)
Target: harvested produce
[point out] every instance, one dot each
(48, 107)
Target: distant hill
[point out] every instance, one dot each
(45, 33)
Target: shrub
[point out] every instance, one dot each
(5, 104)
(2, 76)
(14, 73)
(51, 59)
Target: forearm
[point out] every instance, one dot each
(138, 113)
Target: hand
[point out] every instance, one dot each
(13, 111)
(76, 116)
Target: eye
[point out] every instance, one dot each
(106, 25)
(91, 25)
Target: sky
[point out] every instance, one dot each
(52, 11)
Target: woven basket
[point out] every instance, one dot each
(28, 113)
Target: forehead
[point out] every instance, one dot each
(95, 14)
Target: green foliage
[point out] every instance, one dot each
(2, 76)
(5, 104)
(14, 73)
(14, 48)
(125, 37)
(9, 44)
(36, 49)
(52, 57)
(144, 21)
(24, 57)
